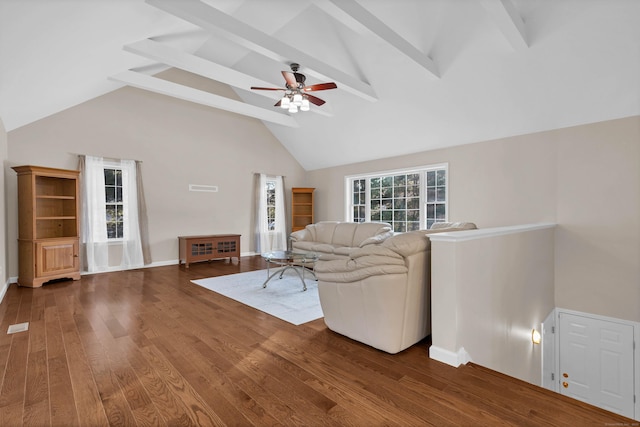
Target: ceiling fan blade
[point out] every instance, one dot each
(320, 86)
(315, 100)
(266, 88)
(290, 78)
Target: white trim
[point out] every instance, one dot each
(481, 233)
(396, 171)
(461, 357)
(4, 289)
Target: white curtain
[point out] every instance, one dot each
(276, 239)
(131, 244)
(94, 230)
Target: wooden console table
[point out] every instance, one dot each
(208, 247)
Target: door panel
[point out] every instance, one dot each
(596, 362)
(56, 257)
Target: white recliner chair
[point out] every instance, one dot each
(380, 295)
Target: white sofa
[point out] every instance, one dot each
(380, 294)
(336, 240)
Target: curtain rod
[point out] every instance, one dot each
(106, 158)
(268, 174)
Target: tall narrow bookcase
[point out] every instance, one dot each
(48, 225)
(301, 207)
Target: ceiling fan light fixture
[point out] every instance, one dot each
(295, 96)
(305, 105)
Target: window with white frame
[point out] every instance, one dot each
(271, 204)
(114, 203)
(408, 199)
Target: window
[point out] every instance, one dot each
(271, 204)
(114, 204)
(408, 200)
(271, 223)
(112, 213)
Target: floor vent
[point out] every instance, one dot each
(18, 327)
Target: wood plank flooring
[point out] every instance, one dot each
(147, 347)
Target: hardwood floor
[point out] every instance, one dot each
(147, 347)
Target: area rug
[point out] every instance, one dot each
(282, 298)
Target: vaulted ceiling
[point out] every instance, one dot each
(412, 75)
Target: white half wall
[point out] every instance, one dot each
(489, 289)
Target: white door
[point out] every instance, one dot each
(596, 362)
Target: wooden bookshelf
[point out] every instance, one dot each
(48, 219)
(301, 207)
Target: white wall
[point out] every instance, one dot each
(489, 288)
(586, 179)
(3, 223)
(180, 143)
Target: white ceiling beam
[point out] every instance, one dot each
(175, 90)
(194, 64)
(508, 21)
(218, 22)
(349, 11)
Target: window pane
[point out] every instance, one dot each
(109, 178)
(111, 230)
(413, 226)
(111, 213)
(399, 227)
(375, 183)
(387, 215)
(387, 204)
(431, 194)
(441, 194)
(119, 213)
(413, 215)
(375, 205)
(119, 194)
(375, 193)
(431, 211)
(399, 216)
(440, 211)
(119, 230)
(399, 191)
(376, 216)
(413, 191)
(400, 180)
(431, 178)
(441, 180)
(413, 179)
(387, 192)
(387, 181)
(413, 203)
(110, 194)
(400, 204)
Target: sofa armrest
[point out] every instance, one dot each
(378, 238)
(300, 235)
(353, 270)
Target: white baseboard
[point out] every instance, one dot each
(4, 288)
(461, 357)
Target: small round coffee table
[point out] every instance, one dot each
(297, 261)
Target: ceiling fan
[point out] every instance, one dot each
(296, 93)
